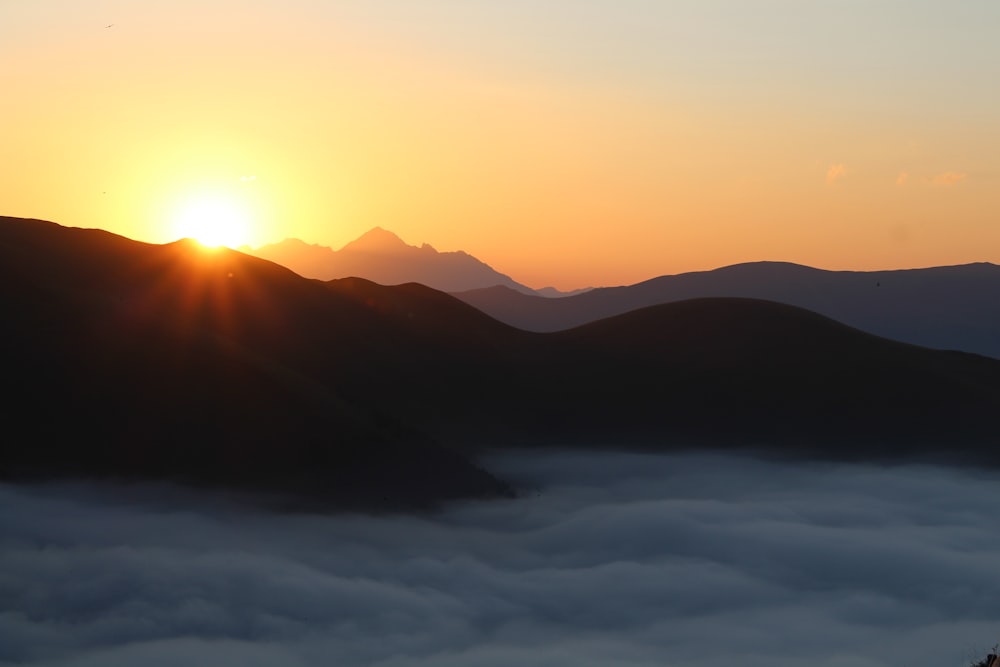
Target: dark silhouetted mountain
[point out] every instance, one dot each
(949, 307)
(382, 257)
(733, 369)
(128, 359)
(213, 367)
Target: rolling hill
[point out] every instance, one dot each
(129, 360)
(949, 307)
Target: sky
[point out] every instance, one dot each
(565, 143)
(605, 559)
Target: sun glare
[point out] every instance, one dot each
(213, 221)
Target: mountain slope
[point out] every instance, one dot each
(732, 368)
(382, 257)
(953, 307)
(131, 359)
(172, 362)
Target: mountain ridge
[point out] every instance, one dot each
(215, 367)
(383, 257)
(947, 307)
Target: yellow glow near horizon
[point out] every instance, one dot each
(213, 221)
(602, 150)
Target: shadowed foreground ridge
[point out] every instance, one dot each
(136, 360)
(214, 367)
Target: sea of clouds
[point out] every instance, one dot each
(604, 559)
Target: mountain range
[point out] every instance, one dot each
(382, 257)
(947, 307)
(131, 360)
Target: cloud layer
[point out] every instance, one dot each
(605, 559)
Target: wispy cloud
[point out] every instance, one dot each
(902, 178)
(949, 178)
(835, 173)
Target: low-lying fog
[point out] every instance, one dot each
(689, 560)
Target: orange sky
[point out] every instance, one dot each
(564, 143)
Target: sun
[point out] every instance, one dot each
(213, 221)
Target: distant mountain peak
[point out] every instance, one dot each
(382, 257)
(377, 239)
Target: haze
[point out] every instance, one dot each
(571, 143)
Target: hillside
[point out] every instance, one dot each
(214, 367)
(950, 307)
